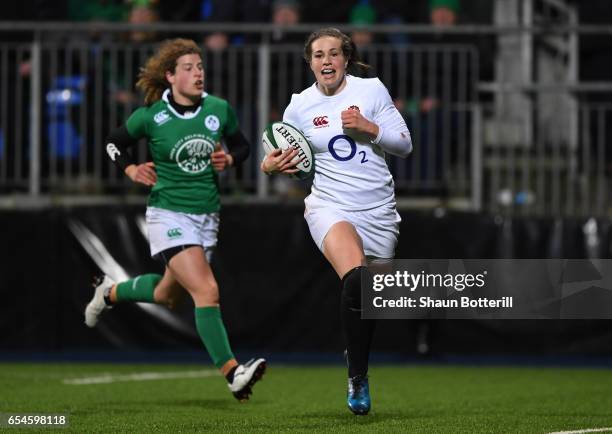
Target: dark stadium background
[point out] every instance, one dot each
(279, 295)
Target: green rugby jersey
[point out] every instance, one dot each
(181, 146)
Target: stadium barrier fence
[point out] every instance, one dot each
(62, 91)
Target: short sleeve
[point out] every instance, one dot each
(231, 126)
(136, 124)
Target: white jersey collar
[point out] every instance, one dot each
(348, 79)
(177, 114)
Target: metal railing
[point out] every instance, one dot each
(60, 96)
(549, 177)
(84, 90)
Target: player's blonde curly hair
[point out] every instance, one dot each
(152, 77)
(349, 49)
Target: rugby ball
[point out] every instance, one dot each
(281, 135)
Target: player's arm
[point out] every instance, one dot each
(279, 161)
(388, 130)
(237, 144)
(393, 135)
(238, 147)
(117, 144)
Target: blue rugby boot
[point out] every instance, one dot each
(358, 398)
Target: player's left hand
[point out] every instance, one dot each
(353, 120)
(220, 159)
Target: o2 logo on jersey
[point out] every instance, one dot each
(334, 152)
(192, 154)
(212, 123)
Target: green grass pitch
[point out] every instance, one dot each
(411, 398)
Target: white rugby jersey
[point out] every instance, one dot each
(350, 172)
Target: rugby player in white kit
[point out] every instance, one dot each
(351, 123)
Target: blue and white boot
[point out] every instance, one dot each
(358, 397)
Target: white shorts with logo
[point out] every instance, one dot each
(168, 229)
(378, 227)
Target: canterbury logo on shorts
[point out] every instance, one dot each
(175, 233)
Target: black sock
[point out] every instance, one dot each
(357, 332)
(230, 375)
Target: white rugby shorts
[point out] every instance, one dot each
(168, 229)
(378, 227)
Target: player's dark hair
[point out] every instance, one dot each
(152, 77)
(354, 63)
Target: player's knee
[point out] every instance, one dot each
(209, 294)
(351, 286)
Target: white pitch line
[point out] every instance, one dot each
(580, 431)
(142, 376)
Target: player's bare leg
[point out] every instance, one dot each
(147, 288)
(192, 271)
(343, 248)
(167, 292)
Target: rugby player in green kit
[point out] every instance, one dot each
(183, 126)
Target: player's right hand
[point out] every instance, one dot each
(279, 161)
(142, 173)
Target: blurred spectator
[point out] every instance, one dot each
(443, 12)
(285, 13)
(217, 41)
(362, 14)
(82, 10)
(432, 93)
(97, 10)
(143, 12)
(232, 11)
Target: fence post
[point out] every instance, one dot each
(476, 153)
(35, 116)
(263, 110)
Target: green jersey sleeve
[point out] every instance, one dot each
(231, 125)
(137, 123)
